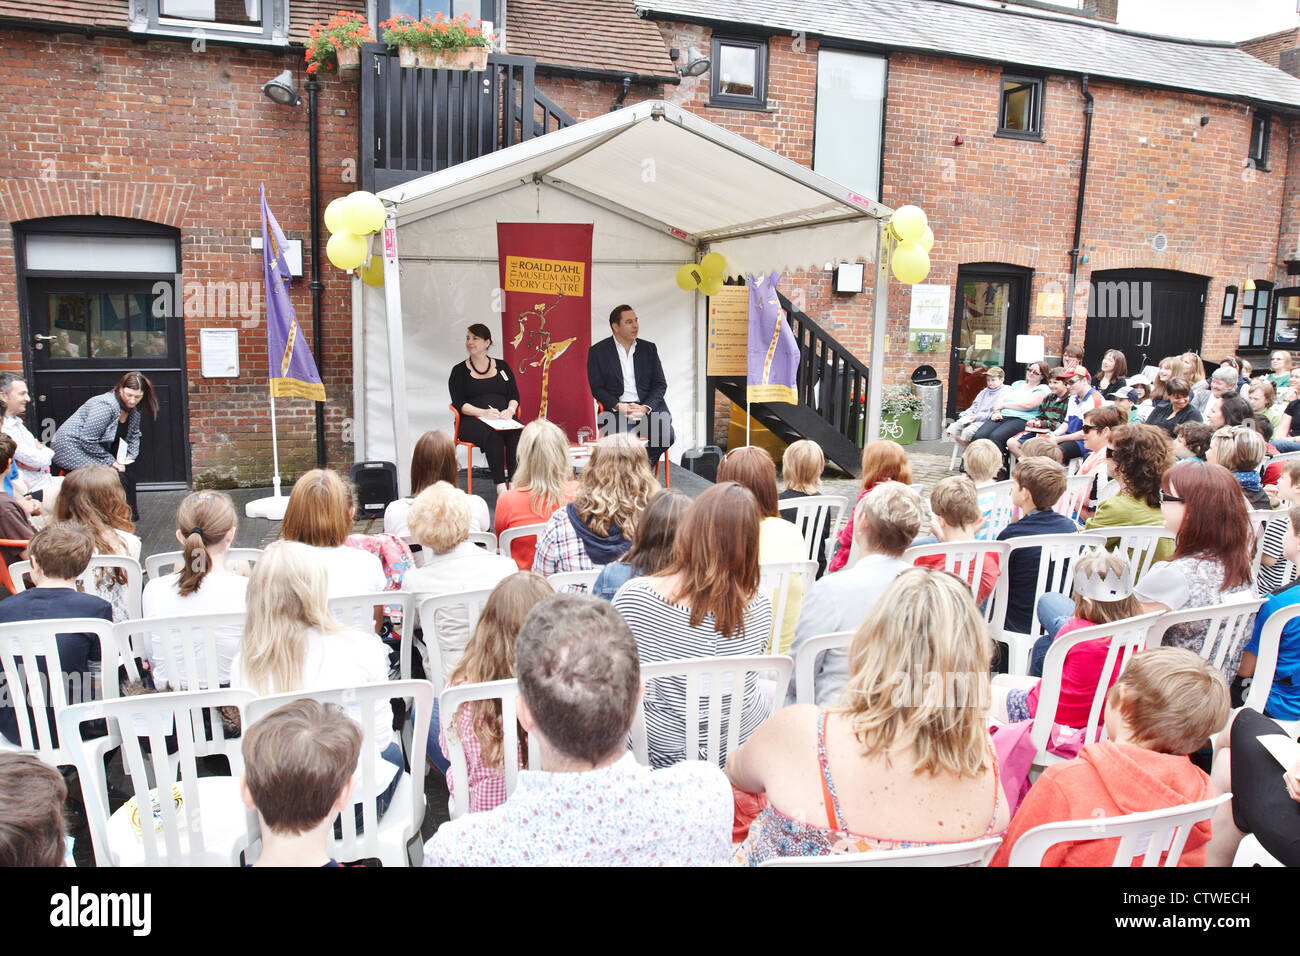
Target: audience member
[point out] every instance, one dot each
(1139, 393)
(298, 775)
(1111, 378)
(598, 526)
(882, 460)
(1222, 384)
(32, 827)
(1102, 594)
(1013, 408)
(1097, 425)
(439, 520)
(968, 422)
(778, 539)
(93, 496)
(32, 458)
(706, 603)
(956, 510)
(205, 527)
(1195, 371)
(1284, 695)
(1264, 802)
(1139, 457)
(1083, 398)
(591, 804)
(929, 752)
(801, 470)
(13, 516)
(58, 554)
(1042, 446)
(1204, 507)
(652, 549)
(432, 460)
(1275, 570)
(1164, 705)
(1192, 440)
(1049, 415)
(319, 515)
(1036, 486)
(1170, 368)
(1263, 396)
(292, 642)
(1177, 411)
(543, 484)
(1280, 365)
(1240, 449)
(1230, 411)
(886, 521)
(489, 655)
(982, 461)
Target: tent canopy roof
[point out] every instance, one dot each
(660, 165)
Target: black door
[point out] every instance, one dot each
(991, 309)
(1146, 313)
(85, 333)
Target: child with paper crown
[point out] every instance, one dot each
(1103, 593)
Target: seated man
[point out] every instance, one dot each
(33, 458)
(32, 796)
(298, 774)
(13, 516)
(592, 804)
(58, 554)
(1163, 707)
(884, 524)
(627, 379)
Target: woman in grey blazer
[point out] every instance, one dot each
(91, 436)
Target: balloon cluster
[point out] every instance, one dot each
(910, 261)
(707, 276)
(350, 219)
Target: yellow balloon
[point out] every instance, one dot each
(910, 263)
(363, 213)
(926, 241)
(345, 250)
(334, 214)
(713, 264)
(689, 277)
(908, 223)
(711, 285)
(373, 274)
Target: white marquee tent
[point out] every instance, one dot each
(661, 186)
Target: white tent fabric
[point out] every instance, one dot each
(659, 184)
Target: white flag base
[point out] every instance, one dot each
(272, 508)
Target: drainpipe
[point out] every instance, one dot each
(1078, 213)
(315, 284)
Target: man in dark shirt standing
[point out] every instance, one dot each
(58, 554)
(627, 379)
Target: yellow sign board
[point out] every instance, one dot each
(728, 338)
(526, 274)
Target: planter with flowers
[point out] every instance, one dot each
(438, 43)
(336, 45)
(900, 415)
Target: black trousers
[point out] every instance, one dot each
(656, 428)
(1260, 803)
(498, 447)
(1000, 432)
(127, 478)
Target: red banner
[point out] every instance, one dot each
(546, 319)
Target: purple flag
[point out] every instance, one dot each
(291, 369)
(773, 350)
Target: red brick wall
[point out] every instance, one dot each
(158, 131)
(1269, 48)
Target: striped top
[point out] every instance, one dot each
(663, 632)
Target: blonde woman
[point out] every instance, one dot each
(1241, 450)
(1170, 368)
(801, 469)
(292, 642)
(598, 527)
(543, 484)
(897, 731)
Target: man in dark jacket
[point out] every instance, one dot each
(627, 379)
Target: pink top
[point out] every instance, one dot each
(845, 538)
(1079, 678)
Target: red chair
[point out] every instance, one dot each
(668, 476)
(469, 451)
(5, 579)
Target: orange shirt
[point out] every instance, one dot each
(513, 510)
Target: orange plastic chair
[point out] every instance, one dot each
(469, 451)
(668, 475)
(5, 579)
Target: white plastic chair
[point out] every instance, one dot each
(1057, 553)
(134, 577)
(1250, 852)
(580, 581)
(708, 681)
(967, 853)
(441, 653)
(1259, 519)
(357, 613)
(1137, 543)
(1227, 627)
(966, 559)
(805, 665)
(450, 701)
(776, 580)
(164, 563)
(814, 516)
(212, 827)
(1261, 684)
(1126, 637)
(506, 539)
(27, 648)
(484, 539)
(390, 839)
(1003, 512)
(1074, 485)
(1147, 835)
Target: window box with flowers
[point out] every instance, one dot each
(337, 44)
(438, 43)
(900, 415)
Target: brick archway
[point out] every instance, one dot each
(1000, 250)
(22, 199)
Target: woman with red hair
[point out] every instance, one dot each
(1203, 506)
(882, 461)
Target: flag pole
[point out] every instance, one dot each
(275, 450)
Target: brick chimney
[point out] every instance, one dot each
(1281, 50)
(1107, 10)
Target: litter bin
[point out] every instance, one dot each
(927, 387)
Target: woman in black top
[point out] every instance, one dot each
(1111, 377)
(482, 387)
(1179, 409)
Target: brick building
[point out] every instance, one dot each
(135, 140)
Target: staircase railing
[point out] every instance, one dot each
(832, 380)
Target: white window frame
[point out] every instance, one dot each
(274, 31)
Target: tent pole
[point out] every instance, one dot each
(396, 353)
(275, 451)
(879, 324)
